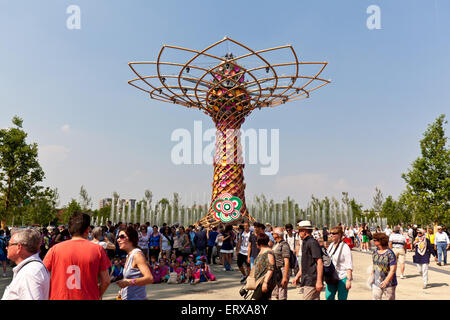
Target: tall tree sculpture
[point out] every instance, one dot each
(227, 88)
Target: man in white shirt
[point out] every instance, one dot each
(397, 242)
(441, 245)
(387, 230)
(31, 280)
(242, 250)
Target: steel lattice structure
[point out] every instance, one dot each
(228, 89)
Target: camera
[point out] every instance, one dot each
(243, 292)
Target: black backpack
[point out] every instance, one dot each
(330, 275)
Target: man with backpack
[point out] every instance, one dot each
(282, 253)
(311, 271)
(242, 251)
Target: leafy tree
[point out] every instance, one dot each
(86, 201)
(390, 210)
(428, 180)
(378, 200)
(20, 170)
(71, 208)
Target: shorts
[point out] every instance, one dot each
(399, 254)
(365, 238)
(241, 259)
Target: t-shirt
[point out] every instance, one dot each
(291, 240)
(253, 246)
(244, 237)
(281, 250)
(382, 265)
(200, 239)
(74, 267)
(310, 252)
(388, 231)
(212, 238)
(397, 239)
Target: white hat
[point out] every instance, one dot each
(305, 224)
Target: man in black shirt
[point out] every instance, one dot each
(311, 271)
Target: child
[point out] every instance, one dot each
(180, 271)
(163, 270)
(116, 270)
(190, 269)
(155, 270)
(208, 273)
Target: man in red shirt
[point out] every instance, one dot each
(78, 265)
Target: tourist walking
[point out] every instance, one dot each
(253, 250)
(227, 247)
(423, 251)
(341, 256)
(281, 251)
(31, 280)
(154, 243)
(442, 243)
(264, 268)
(211, 235)
(382, 277)
(136, 273)
(79, 268)
(397, 242)
(292, 239)
(242, 251)
(310, 274)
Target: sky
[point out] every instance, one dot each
(357, 133)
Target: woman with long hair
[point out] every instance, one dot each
(227, 247)
(136, 273)
(165, 242)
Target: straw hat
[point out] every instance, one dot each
(305, 224)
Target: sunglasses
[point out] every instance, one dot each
(334, 233)
(122, 236)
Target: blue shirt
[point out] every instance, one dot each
(212, 238)
(270, 236)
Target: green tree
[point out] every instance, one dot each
(71, 208)
(390, 211)
(20, 170)
(86, 201)
(428, 180)
(378, 200)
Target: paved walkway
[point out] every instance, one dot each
(227, 286)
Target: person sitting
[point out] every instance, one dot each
(116, 270)
(163, 270)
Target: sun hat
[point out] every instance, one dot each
(305, 224)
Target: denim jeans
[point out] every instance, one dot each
(442, 251)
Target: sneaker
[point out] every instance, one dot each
(243, 279)
(438, 263)
(402, 276)
(224, 269)
(424, 286)
(4, 275)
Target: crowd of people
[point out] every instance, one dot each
(81, 261)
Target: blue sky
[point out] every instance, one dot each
(357, 133)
